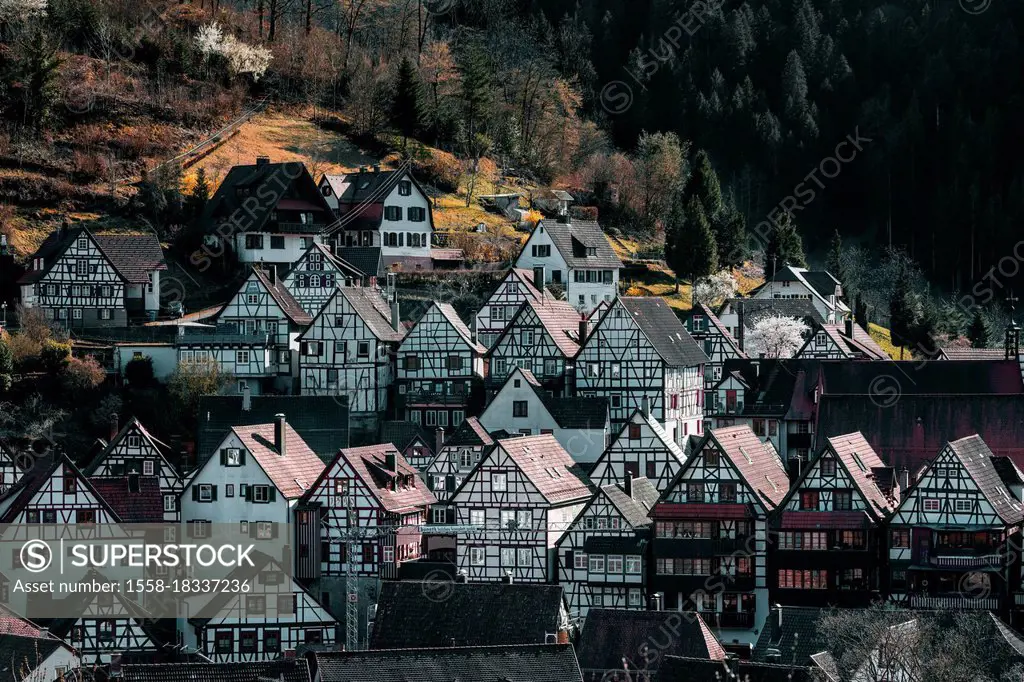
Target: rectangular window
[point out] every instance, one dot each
(254, 241)
(147, 467)
(261, 493)
(499, 482)
(931, 504)
(614, 563)
(596, 563)
(964, 506)
(477, 517)
(392, 213)
(809, 500)
(205, 492)
(276, 241)
(476, 556)
(727, 492)
(242, 357)
(828, 466)
(520, 408)
(417, 214)
(633, 565)
(454, 363)
(843, 500)
(106, 314)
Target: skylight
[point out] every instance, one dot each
(860, 463)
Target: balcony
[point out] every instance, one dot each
(730, 619)
(953, 602)
(429, 398)
(967, 561)
(297, 228)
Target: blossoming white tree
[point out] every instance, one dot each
(776, 336)
(714, 289)
(241, 57)
(15, 10)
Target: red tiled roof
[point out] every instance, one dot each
(279, 292)
(561, 321)
(526, 278)
(759, 467)
(370, 464)
(453, 318)
(548, 467)
(12, 625)
(292, 474)
(146, 505)
(831, 519)
(859, 458)
(972, 354)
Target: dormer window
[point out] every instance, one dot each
(591, 251)
(83, 243)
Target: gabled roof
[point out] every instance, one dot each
(638, 417)
(20, 657)
(370, 465)
(821, 283)
(573, 239)
(283, 670)
(284, 299)
(560, 320)
(402, 434)
(12, 625)
(409, 614)
(295, 472)
(976, 459)
(972, 354)
(337, 261)
(364, 185)
(547, 466)
(460, 327)
(35, 477)
(133, 256)
(755, 309)
(712, 318)
(371, 308)
(470, 432)
(793, 631)
(322, 421)
(525, 277)
(505, 663)
(256, 190)
(686, 669)
(612, 639)
(664, 330)
(634, 508)
(573, 413)
(861, 461)
(367, 259)
(859, 344)
(141, 504)
(758, 466)
(161, 448)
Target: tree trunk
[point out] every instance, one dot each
(259, 15)
(272, 29)
(309, 17)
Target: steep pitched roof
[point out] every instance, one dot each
(686, 669)
(757, 465)
(372, 309)
(256, 190)
(460, 327)
(575, 413)
(573, 239)
(664, 330)
(712, 318)
(613, 638)
(370, 465)
(285, 670)
(292, 474)
(976, 459)
(525, 277)
(159, 446)
(861, 461)
(972, 354)
(21, 656)
(366, 258)
(533, 663)
(402, 434)
(470, 432)
(141, 504)
(560, 320)
(792, 631)
(409, 614)
(134, 256)
(284, 299)
(14, 500)
(859, 343)
(634, 508)
(322, 421)
(755, 309)
(547, 466)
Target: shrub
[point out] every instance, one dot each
(90, 166)
(584, 212)
(139, 372)
(440, 169)
(82, 375)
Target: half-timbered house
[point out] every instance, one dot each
(828, 539)
(601, 557)
(951, 538)
(819, 287)
(249, 355)
(79, 279)
(440, 370)
(501, 306)
(522, 406)
(414, 441)
(456, 458)
(740, 315)
(846, 341)
(134, 451)
(542, 337)
(717, 343)
(255, 480)
(313, 278)
(275, 616)
(264, 305)
(711, 526)
(576, 255)
(349, 350)
(642, 448)
(639, 349)
(11, 469)
(523, 494)
(267, 212)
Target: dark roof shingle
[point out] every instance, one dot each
(612, 638)
(665, 331)
(573, 239)
(284, 670)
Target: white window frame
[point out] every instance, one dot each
(579, 561)
(170, 503)
(148, 467)
(635, 597)
(964, 506)
(633, 564)
(507, 557)
(524, 557)
(477, 556)
(499, 482)
(596, 563)
(931, 504)
(208, 489)
(261, 490)
(477, 517)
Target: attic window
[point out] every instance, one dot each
(591, 251)
(83, 243)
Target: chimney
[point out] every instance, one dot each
(362, 169)
(272, 274)
(114, 427)
(904, 481)
(280, 442)
(396, 318)
(538, 277)
(627, 485)
(133, 483)
(657, 601)
(584, 329)
(440, 440)
(246, 398)
(645, 406)
(391, 461)
(262, 161)
(376, 168)
(849, 328)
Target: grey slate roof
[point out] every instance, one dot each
(367, 258)
(411, 614)
(133, 256)
(611, 636)
(284, 299)
(794, 633)
(535, 663)
(572, 241)
(634, 509)
(253, 191)
(666, 332)
(576, 413)
(321, 421)
(401, 434)
(470, 432)
(685, 669)
(373, 311)
(755, 309)
(286, 670)
(976, 458)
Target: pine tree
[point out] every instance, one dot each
(690, 245)
(407, 107)
(6, 367)
(835, 258)
(785, 247)
(903, 311)
(37, 71)
(476, 89)
(860, 312)
(200, 194)
(978, 332)
(731, 237)
(704, 185)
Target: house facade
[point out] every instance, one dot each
(79, 279)
(820, 287)
(828, 540)
(383, 208)
(313, 278)
(456, 458)
(716, 341)
(523, 496)
(515, 288)
(844, 341)
(440, 370)
(577, 256)
(641, 449)
(711, 532)
(602, 556)
(640, 350)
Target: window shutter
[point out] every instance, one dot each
(570, 561)
(304, 347)
(195, 493)
(223, 456)
(247, 493)
(213, 493)
(449, 515)
(252, 527)
(241, 456)
(273, 530)
(271, 494)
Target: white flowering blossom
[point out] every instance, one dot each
(714, 289)
(15, 10)
(776, 337)
(241, 57)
